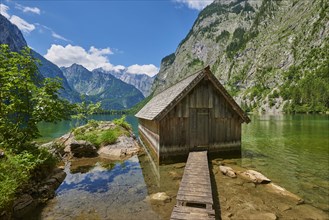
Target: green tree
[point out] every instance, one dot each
(84, 109)
(25, 99)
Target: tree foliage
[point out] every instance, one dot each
(84, 109)
(306, 85)
(25, 98)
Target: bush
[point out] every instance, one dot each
(99, 138)
(122, 122)
(18, 169)
(109, 136)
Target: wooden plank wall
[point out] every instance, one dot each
(180, 129)
(149, 133)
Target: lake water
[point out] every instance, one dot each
(292, 150)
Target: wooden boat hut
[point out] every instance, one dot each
(196, 113)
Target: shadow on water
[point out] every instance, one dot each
(215, 194)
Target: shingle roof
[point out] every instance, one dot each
(162, 103)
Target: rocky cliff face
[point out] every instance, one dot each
(141, 81)
(265, 52)
(100, 86)
(11, 35)
(50, 70)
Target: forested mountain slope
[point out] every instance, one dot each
(272, 55)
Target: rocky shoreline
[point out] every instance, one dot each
(251, 196)
(36, 192)
(242, 193)
(67, 148)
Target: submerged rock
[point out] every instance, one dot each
(228, 171)
(255, 176)
(179, 165)
(174, 175)
(160, 197)
(263, 216)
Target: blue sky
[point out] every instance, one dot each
(132, 35)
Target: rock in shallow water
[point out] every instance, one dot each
(228, 171)
(256, 177)
(160, 197)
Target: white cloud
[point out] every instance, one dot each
(55, 35)
(26, 9)
(195, 4)
(149, 69)
(42, 28)
(111, 67)
(3, 11)
(100, 52)
(19, 22)
(22, 24)
(92, 59)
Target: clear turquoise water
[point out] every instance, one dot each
(291, 150)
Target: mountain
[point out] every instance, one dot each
(50, 70)
(271, 55)
(100, 86)
(142, 82)
(11, 35)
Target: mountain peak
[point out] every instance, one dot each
(11, 35)
(141, 81)
(225, 2)
(77, 66)
(101, 86)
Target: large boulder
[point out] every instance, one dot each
(124, 147)
(255, 176)
(83, 149)
(228, 171)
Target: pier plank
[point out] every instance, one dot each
(195, 188)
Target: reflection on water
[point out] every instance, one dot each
(291, 150)
(107, 191)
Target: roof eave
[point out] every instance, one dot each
(180, 96)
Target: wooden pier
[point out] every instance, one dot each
(194, 198)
